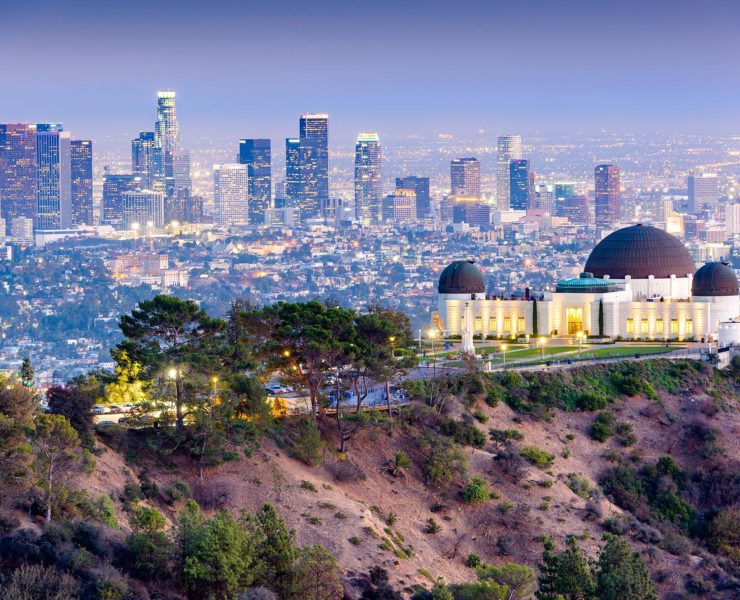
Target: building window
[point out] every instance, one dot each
(630, 326)
(674, 326)
(644, 326)
(479, 323)
(659, 326)
(492, 324)
(507, 324)
(689, 327)
(522, 325)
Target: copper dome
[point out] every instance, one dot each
(461, 277)
(640, 251)
(715, 279)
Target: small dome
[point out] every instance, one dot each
(461, 277)
(715, 279)
(640, 251)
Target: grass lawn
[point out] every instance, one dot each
(628, 351)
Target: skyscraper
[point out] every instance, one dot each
(314, 136)
(257, 155)
(703, 192)
(82, 190)
(114, 187)
(465, 177)
(231, 193)
(520, 192)
(399, 207)
(17, 172)
(293, 172)
(146, 161)
(420, 185)
(509, 147)
(143, 209)
(167, 129)
(368, 190)
(53, 177)
(607, 198)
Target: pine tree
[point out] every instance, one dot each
(601, 318)
(621, 573)
(535, 321)
(276, 552)
(565, 576)
(26, 373)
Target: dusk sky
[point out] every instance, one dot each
(397, 67)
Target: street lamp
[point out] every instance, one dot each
(542, 341)
(431, 334)
(503, 349)
(580, 335)
(172, 373)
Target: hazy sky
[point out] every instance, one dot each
(245, 68)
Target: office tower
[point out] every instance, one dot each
(293, 172)
(53, 177)
(167, 129)
(82, 191)
(575, 208)
(147, 162)
(732, 220)
(519, 184)
(368, 190)
(194, 209)
(314, 137)
(143, 210)
(545, 198)
(400, 206)
(257, 155)
(114, 187)
(607, 198)
(22, 228)
(17, 171)
(465, 177)
(420, 185)
(509, 147)
(469, 210)
(231, 193)
(703, 192)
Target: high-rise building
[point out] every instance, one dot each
(231, 193)
(607, 198)
(519, 184)
(257, 155)
(82, 190)
(143, 209)
(146, 161)
(22, 228)
(293, 172)
(465, 177)
(368, 188)
(314, 136)
(420, 185)
(703, 192)
(509, 147)
(400, 206)
(17, 171)
(114, 187)
(167, 129)
(53, 177)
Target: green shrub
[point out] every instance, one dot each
(432, 527)
(465, 434)
(177, 492)
(601, 430)
(480, 417)
(473, 561)
(579, 485)
(103, 509)
(537, 457)
(591, 400)
(308, 446)
(476, 492)
(446, 462)
(307, 485)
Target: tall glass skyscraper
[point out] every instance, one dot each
(465, 177)
(82, 190)
(509, 147)
(231, 193)
(420, 185)
(53, 177)
(257, 155)
(114, 188)
(17, 172)
(146, 161)
(314, 135)
(607, 198)
(368, 189)
(293, 172)
(519, 182)
(167, 129)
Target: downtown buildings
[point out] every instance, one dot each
(307, 166)
(257, 155)
(508, 148)
(607, 196)
(368, 189)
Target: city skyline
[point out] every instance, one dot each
(634, 79)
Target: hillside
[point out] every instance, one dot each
(682, 410)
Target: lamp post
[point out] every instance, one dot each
(580, 335)
(431, 334)
(542, 341)
(503, 350)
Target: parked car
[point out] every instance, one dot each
(99, 410)
(114, 409)
(106, 423)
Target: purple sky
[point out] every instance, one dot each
(245, 68)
